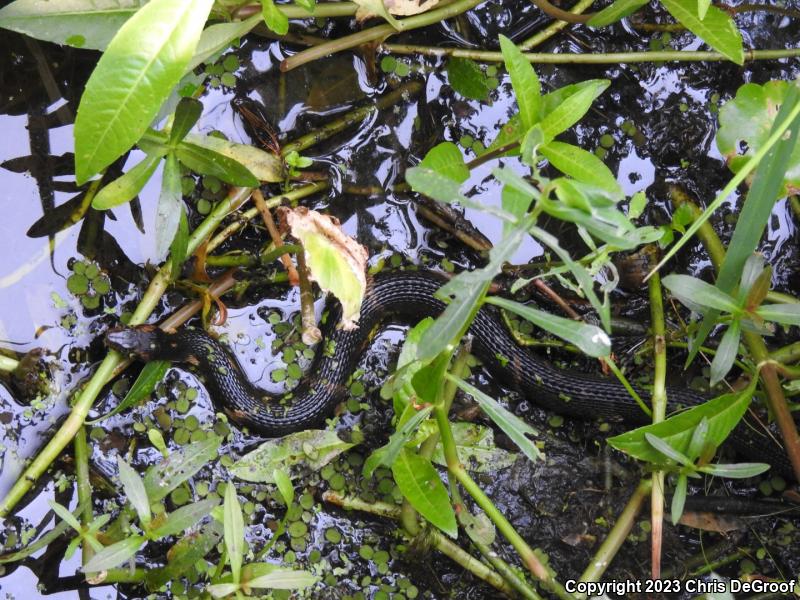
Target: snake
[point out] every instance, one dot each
(409, 295)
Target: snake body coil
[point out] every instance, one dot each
(408, 294)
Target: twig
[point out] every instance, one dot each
(560, 14)
(261, 205)
(311, 333)
(553, 28)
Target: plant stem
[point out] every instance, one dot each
(616, 537)
(8, 364)
(561, 14)
(592, 59)
(552, 29)
(84, 487)
(659, 402)
(351, 118)
(322, 10)
(380, 32)
(107, 367)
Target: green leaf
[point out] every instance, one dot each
(467, 79)
(161, 479)
(371, 8)
(133, 78)
(717, 29)
(114, 555)
(234, 530)
(726, 352)
(125, 187)
(679, 499)
(514, 202)
(589, 338)
(667, 450)
(145, 383)
(66, 516)
(386, 455)
(274, 18)
(312, 448)
(170, 206)
(514, 427)
(420, 484)
(180, 244)
(786, 314)
(527, 88)
(509, 133)
(446, 160)
(723, 413)
(698, 442)
(80, 23)
(476, 449)
(187, 114)
(184, 518)
(134, 489)
(284, 484)
(265, 166)
(218, 37)
(184, 554)
(580, 164)
(222, 590)
(572, 109)
(283, 579)
(208, 162)
(617, 11)
(637, 205)
(702, 8)
(693, 292)
(736, 471)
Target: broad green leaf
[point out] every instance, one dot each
(335, 261)
(125, 187)
(509, 133)
(284, 484)
(133, 78)
(187, 114)
(476, 449)
(234, 530)
(421, 485)
(467, 79)
(386, 455)
(184, 518)
(726, 352)
(446, 159)
(615, 12)
(114, 555)
(312, 448)
(667, 450)
(702, 8)
(283, 579)
(514, 202)
(222, 590)
(514, 427)
(134, 489)
(589, 338)
(552, 100)
(265, 166)
(208, 162)
(580, 164)
(274, 18)
(717, 29)
(572, 109)
(170, 206)
(145, 383)
(723, 413)
(786, 314)
(736, 471)
(693, 291)
(637, 205)
(161, 479)
(527, 88)
(79, 23)
(218, 37)
(407, 363)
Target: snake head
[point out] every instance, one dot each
(140, 342)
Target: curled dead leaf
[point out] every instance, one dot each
(402, 8)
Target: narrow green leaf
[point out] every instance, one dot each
(514, 427)
(216, 38)
(446, 159)
(114, 555)
(467, 79)
(527, 88)
(420, 484)
(265, 166)
(133, 78)
(162, 478)
(274, 18)
(66, 516)
(170, 206)
(726, 352)
(87, 24)
(679, 499)
(786, 314)
(514, 202)
(723, 413)
(222, 590)
(284, 579)
(698, 441)
(187, 114)
(234, 530)
(667, 450)
(134, 489)
(617, 11)
(145, 383)
(589, 338)
(185, 517)
(580, 164)
(180, 244)
(208, 162)
(716, 29)
(572, 109)
(125, 187)
(736, 471)
(386, 455)
(693, 291)
(285, 486)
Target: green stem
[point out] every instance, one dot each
(787, 354)
(659, 402)
(602, 559)
(502, 567)
(380, 32)
(105, 370)
(553, 28)
(626, 384)
(84, 487)
(591, 59)
(8, 364)
(322, 10)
